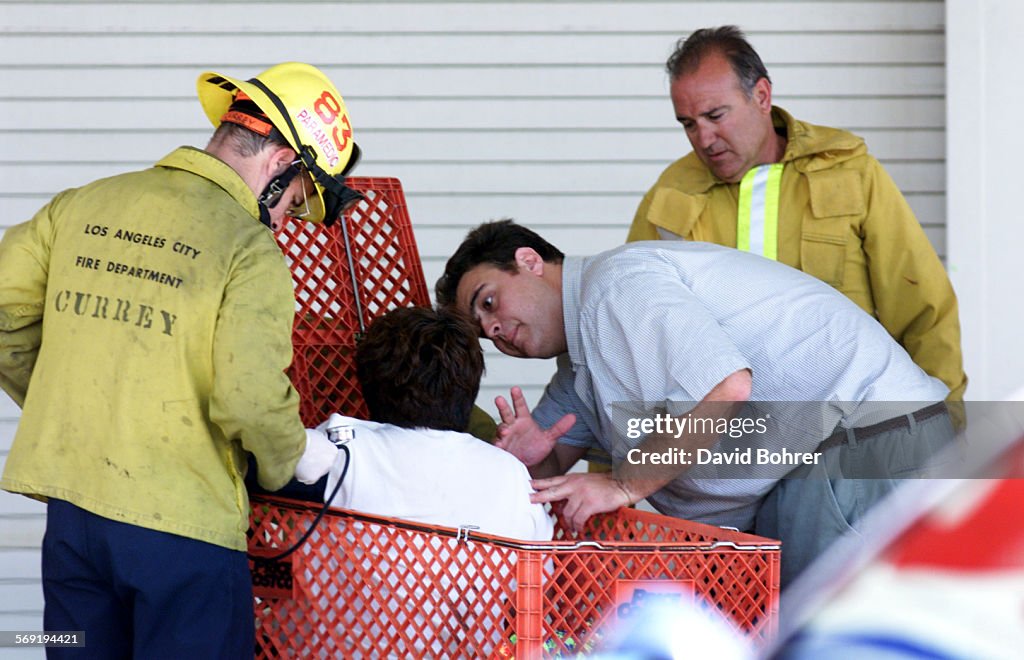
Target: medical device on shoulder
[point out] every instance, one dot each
(340, 433)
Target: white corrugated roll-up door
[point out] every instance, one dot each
(553, 113)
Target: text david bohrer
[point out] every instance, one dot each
(761, 456)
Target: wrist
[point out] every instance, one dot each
(628, 492)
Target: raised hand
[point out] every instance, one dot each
(521, 436)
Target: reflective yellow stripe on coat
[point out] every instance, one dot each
(757, 222)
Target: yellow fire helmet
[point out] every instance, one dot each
(305, 108)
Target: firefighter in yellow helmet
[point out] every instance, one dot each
(145, 326)
(290, 104)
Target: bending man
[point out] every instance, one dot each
(691, 329)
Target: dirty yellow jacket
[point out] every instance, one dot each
(145, 326)
(843, 220)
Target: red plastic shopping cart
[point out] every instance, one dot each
(368, 586)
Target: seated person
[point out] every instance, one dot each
(420, 373)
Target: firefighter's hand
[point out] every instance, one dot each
(521, 436)
(318, 458)
(584, 495)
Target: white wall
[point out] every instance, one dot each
(556, 114)
(986, 215)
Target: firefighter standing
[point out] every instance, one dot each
(145, 326)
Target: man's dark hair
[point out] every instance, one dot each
(495, 244)
(420, 367)
(728, 40)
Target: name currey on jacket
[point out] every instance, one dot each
(118, 310)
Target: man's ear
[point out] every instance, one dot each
(529, 261)
(278, 159)
(271, 161)
(762, 95)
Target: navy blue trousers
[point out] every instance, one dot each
(141, 593)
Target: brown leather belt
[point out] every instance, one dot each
(840, 437)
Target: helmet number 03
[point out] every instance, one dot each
(327, 108)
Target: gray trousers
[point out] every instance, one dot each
(816, 504)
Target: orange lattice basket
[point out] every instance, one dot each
(367, 586)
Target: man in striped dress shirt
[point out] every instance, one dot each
(727, 388)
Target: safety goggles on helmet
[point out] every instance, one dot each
(276, 188)
(337, 196)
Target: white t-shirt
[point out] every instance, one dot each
(437, 477)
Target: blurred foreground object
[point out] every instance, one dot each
(945, 578)
(675, 629)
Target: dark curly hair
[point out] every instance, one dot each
(495, 244)
(420, 367)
